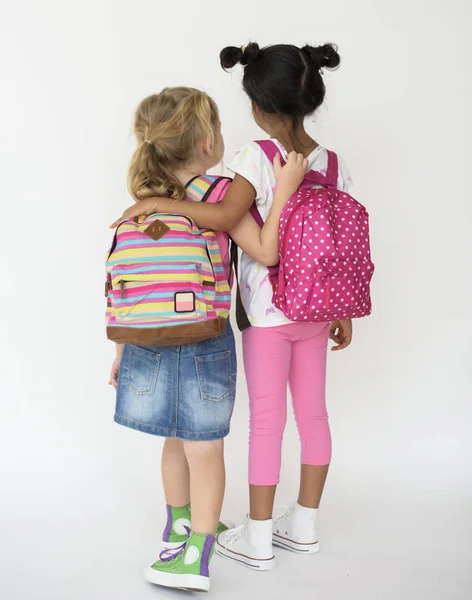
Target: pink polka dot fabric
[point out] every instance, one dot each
(325, 265)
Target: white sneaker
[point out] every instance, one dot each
(249, 544)
(296, 530)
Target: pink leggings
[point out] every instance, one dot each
(274, 356)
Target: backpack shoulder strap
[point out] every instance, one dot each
(256, 215)
(207, 188)
(330, 180)
(217, 190)
(271, 150)
(242, 319)
(332, 170)
(211, 189)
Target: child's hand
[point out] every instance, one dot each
(115, 367)
(341, 333)
(290, 176)
(143, 207)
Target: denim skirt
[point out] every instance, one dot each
(184, 392)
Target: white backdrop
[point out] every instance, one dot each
(81, 499)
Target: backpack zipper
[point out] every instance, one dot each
(328, 294)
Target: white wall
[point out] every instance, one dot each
(81, 497)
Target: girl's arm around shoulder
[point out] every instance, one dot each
(248, 167)
(219, 217)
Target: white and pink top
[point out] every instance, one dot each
(252, 164)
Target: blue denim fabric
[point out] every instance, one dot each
(186, 392)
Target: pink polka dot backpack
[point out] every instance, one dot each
(325, 265)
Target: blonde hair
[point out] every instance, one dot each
(168, 127)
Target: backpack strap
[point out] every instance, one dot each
(332, 171)
(207, 188)
(241, 315)
(211, 189)
(330, 180)
(256, 215)
(271, 150)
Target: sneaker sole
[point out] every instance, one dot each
(252, 563)
(188, 582)
(281, 542)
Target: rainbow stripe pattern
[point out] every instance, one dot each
(163, 271)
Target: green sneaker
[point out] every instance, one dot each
(179, 525)
(185, 568)
(177, 528)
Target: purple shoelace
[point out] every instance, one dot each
(172, 553)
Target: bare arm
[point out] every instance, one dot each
(263, 244)
(225, 215)
(219, 217)
(115, 367)
(247, 235)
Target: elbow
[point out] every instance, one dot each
(227, 222)
(269, 260)
(219, 223)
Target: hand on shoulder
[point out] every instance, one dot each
(290, 176)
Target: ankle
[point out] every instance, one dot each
(308, 505)
(260, 516)
(306, 509)
(261, 522)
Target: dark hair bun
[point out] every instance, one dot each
(324, 57)
(231, 56)
(250, 53)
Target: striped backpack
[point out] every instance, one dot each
(166, 283)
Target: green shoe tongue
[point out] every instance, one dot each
(221, 527)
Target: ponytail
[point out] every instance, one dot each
(168, 127)
(148, 175)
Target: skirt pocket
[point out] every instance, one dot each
(143, 370)
(214, 376)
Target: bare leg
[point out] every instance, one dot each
(207, 483)
(261, 498)
(312, 482)
(175, 473)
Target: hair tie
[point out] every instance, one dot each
(147, 142)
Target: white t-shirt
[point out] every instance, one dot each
(252, 164)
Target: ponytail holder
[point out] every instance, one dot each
(147, 142)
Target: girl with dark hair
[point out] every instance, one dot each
(285, 85)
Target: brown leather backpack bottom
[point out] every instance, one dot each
(174, 335)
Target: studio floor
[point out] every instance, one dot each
(374, 546)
